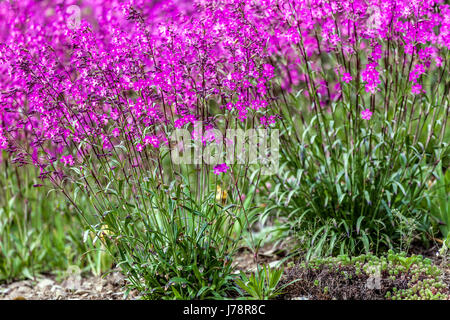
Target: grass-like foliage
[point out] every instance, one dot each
(262, 284)
(355, 168)
(169, 245)
(40, 232)
(440, 200)
(109, 100)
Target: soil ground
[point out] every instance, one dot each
(112, 286)
(74, 287)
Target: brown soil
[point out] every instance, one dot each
(112, 286)
(347, 286)
(74, 287)
(245, 259)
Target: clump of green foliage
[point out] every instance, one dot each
(355, 169)
(39, 230)
(262, 284)
(440, 205)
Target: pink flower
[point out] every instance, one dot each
(153, 140)
(221, 168)
(67, 160)
(371, 76)
(366, 114)
(346, 77)
(116, 132)
(414, 75)
(417, 89)
(201, 55)
(267, 121)
(268, 71)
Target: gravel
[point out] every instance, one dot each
(74, 287)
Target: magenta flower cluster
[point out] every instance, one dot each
(221, 168)
(132, 69)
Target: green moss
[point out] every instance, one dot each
(424, 281)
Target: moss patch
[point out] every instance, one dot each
(367, 277)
